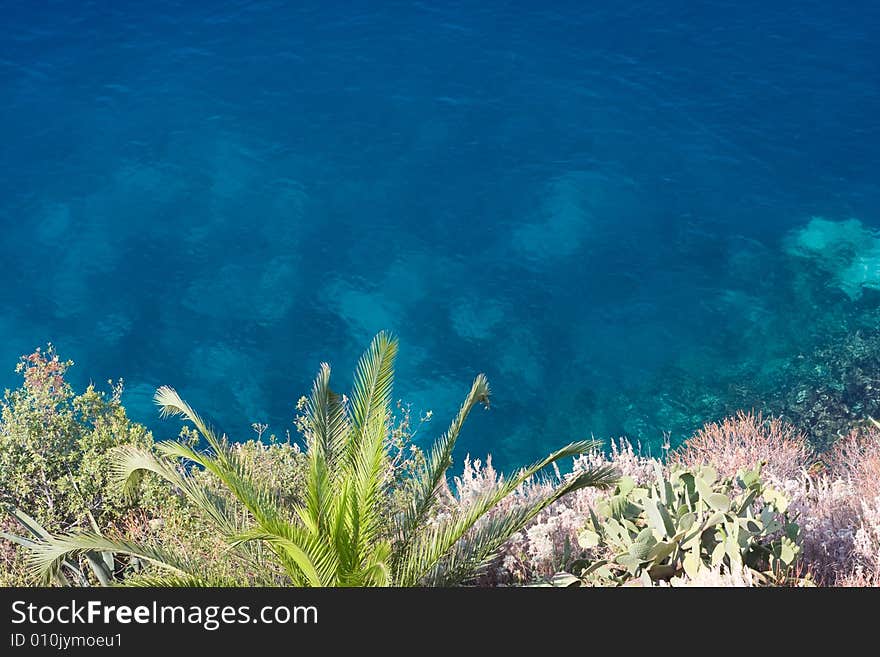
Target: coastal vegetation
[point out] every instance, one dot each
(355, 499)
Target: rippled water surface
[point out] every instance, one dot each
(607, 210)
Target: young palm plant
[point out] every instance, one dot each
(336, 535)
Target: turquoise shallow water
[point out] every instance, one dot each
(597, 207)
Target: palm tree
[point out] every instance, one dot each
(336, 535)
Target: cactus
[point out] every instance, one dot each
(688, 520)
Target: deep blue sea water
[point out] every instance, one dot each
(588, 201)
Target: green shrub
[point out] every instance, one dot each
(686, 521)
(338, 533)
(54, 445)
(55, 453)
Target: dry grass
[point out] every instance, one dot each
(744, 440)
(856, 459)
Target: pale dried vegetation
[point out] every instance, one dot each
(835, 496)
(745, 439)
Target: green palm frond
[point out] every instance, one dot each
(367, 474)
(46, 557)
(171, 404)
(377, 571)
(373, 379)
(26, 543)
(261, 501)
(326, 418)
(371, 410)
(430, 546)
(30, 524)
(427, 484)
(309, 561)
(130, 463)
(38, 534)
(477, 549)
(182, 581)
(328, 429)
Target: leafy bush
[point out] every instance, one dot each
(685, 522)
(334, 536)
(54, 452)
(56, 475)
(54, 444)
